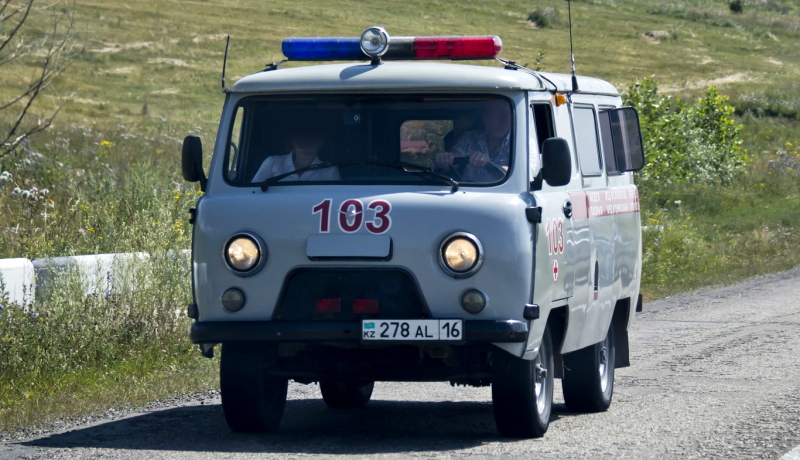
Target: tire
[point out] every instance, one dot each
(346, 395)
(252, 401)
(522, 391)
(588, 381)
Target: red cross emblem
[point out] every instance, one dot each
(555, 270)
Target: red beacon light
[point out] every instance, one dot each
(375, 44)
(467, 47)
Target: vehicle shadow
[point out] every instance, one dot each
(308, 427)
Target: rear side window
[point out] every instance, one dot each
(608, 144)
(586, 141)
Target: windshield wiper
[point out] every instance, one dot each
(275, 179)
(419, 171)
(411, 168)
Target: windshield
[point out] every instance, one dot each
(370, 139)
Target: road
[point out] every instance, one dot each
(714, 374)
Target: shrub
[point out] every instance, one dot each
(697, 142)
(544, 18)
(736, 6)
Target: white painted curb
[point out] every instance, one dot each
(18, 280)
(99, 274)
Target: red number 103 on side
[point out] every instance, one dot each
(351, 216)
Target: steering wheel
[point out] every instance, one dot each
(495, 171)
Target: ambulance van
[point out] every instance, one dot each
(393, 217)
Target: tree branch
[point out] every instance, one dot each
(52, 64)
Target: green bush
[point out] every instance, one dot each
(736, 6)
(545, 17)
(684, 142)
(90, 190)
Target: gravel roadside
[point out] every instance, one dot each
(714, 374)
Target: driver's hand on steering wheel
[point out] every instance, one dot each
(478, 159)
(444, 160)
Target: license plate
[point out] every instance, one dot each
(412, 329)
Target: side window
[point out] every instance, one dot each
(234, 144)
(420, 139)
(586, 141)
(622, 139)
(608, 143)
(542, 129)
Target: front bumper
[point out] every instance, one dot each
(210, 332)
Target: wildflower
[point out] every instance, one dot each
(677, 202)
(35, 315)
(17, 191)
(106, 144)
(26, 194)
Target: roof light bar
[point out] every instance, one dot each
(375, 42)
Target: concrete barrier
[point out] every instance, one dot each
(99, 274)
(18, 280)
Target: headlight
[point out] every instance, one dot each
(244, 253)
(460, 255)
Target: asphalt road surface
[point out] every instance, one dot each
(714, 374)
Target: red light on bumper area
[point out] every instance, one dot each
(329, 305)
(488, 46)
(365, 306)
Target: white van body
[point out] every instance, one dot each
(564, 258)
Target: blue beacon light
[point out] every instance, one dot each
(323, 48)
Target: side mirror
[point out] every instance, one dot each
(192, 161)
(556, 162)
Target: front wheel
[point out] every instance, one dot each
(522, 391)
(252, 400)
(346, 395)
(588, 381)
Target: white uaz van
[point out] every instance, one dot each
(392, 218)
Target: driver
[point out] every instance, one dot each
(483, 146)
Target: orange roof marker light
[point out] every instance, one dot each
(559, 99)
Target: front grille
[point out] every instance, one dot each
(396, 291)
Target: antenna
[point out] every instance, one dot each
(571, 54)
(225, 63)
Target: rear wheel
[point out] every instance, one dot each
(252, 401)
(522, 391)
(346, 395)
(588, 381)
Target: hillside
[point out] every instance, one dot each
(145, 59)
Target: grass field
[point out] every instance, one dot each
(146, 73)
